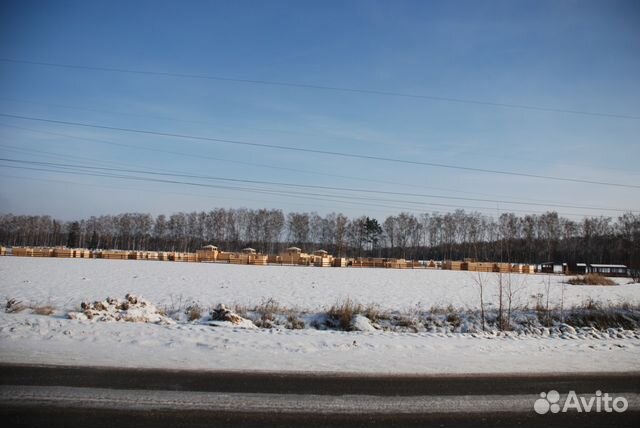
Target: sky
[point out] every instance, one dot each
(546, 88)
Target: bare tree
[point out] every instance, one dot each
(298, 227)
(480, 280)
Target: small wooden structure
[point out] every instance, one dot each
(273, 258)
(22, 252)
(208, 253)
(136, 255)
(481, 267)
(339, 262)
(248, 256)
(455, 265)
(295, 256)
(62, 252)
(291, 256)
(396, 263)
(81, 253)
(258, 259)
(322, 258)
(182, 257)
(114, 255)
(503, 267)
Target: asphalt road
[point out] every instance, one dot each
(81, 396)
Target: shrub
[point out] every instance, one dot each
(591, 305)
(591, 279)
(454, 319)
(194, 312)
(267, 310)
(241, 310)
(343, 312)
(374, 313)
(14, 306)
(294, 323)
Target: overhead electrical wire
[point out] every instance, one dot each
(320, 87)
(300, 195)
(261, 165)
(318, 151)
(244, 128)
(80, 170)
(199, 195)
(307, 186)
(182, 120)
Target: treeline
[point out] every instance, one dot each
(457, 235)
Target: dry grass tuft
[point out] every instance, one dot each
(343, 313)
(241, 310)
(294, 323)
(591, 279)
(268, 310)
(43, 310)
(194, 312)
(14, 306)
(374, 313)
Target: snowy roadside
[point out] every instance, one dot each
(407, 322)
(35, 339)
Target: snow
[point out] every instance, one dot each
(223, 345)
(49, 340)
(362, 323)
(129, 309)
(64, 283)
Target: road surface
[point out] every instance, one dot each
(82, 396)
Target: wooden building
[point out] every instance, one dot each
(62, 252)
(321, 258)
(339, 262)
(208, 253)
(294, 256)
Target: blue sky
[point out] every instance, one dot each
(568, 55)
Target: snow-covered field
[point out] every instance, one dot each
(65, 283)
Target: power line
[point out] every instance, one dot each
(189, 121)
(300, 195)
(348, 197)
(324, 136)
(199, 195)
(317, 151)
(307, 186)
(261, 165)
(128, 188)
(321, 87)
(351, 200)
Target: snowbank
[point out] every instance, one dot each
(131, 309)
(50, 340)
